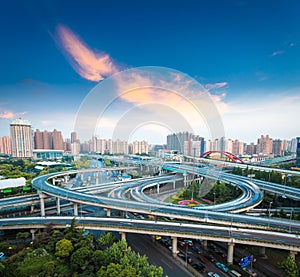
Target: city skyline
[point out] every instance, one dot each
(247, 60)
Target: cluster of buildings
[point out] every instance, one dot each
(26, 143)
(23, 142)
(195, 145)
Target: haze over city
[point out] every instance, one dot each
(246, 54)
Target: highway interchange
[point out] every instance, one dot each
(220, 222)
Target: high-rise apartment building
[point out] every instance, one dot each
(298, 153)
(21, 138)
(57, 140)
(49, 140)
(277, 147)
(5, 145)
(264, 145)
(140, 147)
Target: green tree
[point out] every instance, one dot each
(113, 270)
(80, 259)
(290, 267)
(63, 248)
(106, 240)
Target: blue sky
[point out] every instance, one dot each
(246, 53)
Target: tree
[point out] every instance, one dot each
(80, 259)
(106, 240)
(63, 248)
(290, 267)
(113, 270)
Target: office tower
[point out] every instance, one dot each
(298, 153)
(5, 145)
(73, 137)
(176, 141)
(293, 145)
(264, 145)
(21, 138)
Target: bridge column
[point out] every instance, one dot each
(123, 235)
(58, 205)
(262, 251)
(42, 203)
(184, 180)
(174, 184)
(75, 208)
(108, 212)
(32, 231)
(157, 188)
(204, 244)
(293, 254)
(31, 208)
(53, 181)
(174, 246)
(230, 253)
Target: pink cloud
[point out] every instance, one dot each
(7, 115)
(88, 64)
(216, 85)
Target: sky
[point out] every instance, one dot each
(245, 54)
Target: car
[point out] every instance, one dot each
(189, 242)
(222, 267)
(212, 246)
(185, 258)
(202, 259)
(221, 253)
(210, 257)
(212, 274)
(181, 243)
(200, 267)
(196, 249)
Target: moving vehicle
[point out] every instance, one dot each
(222, 267)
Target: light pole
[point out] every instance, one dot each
(270, 204)
(290, 228)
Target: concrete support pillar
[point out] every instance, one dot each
(153, 238)
(293, 254)
(75, 208)
(32, 231)
(174, 184)
(108, 212)
(262, 251)
(184, 180)
(42, 203)
(58, 205)
(31, 208)
(230, 253)
(204, 244)
(157, 188)
(123, 235)
(174, 246)
(97, 178)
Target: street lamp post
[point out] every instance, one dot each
(270, 204)
(290, 227)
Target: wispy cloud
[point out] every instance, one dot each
(216, 85)
(276, 53)
(7, 114)
(88, 64)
